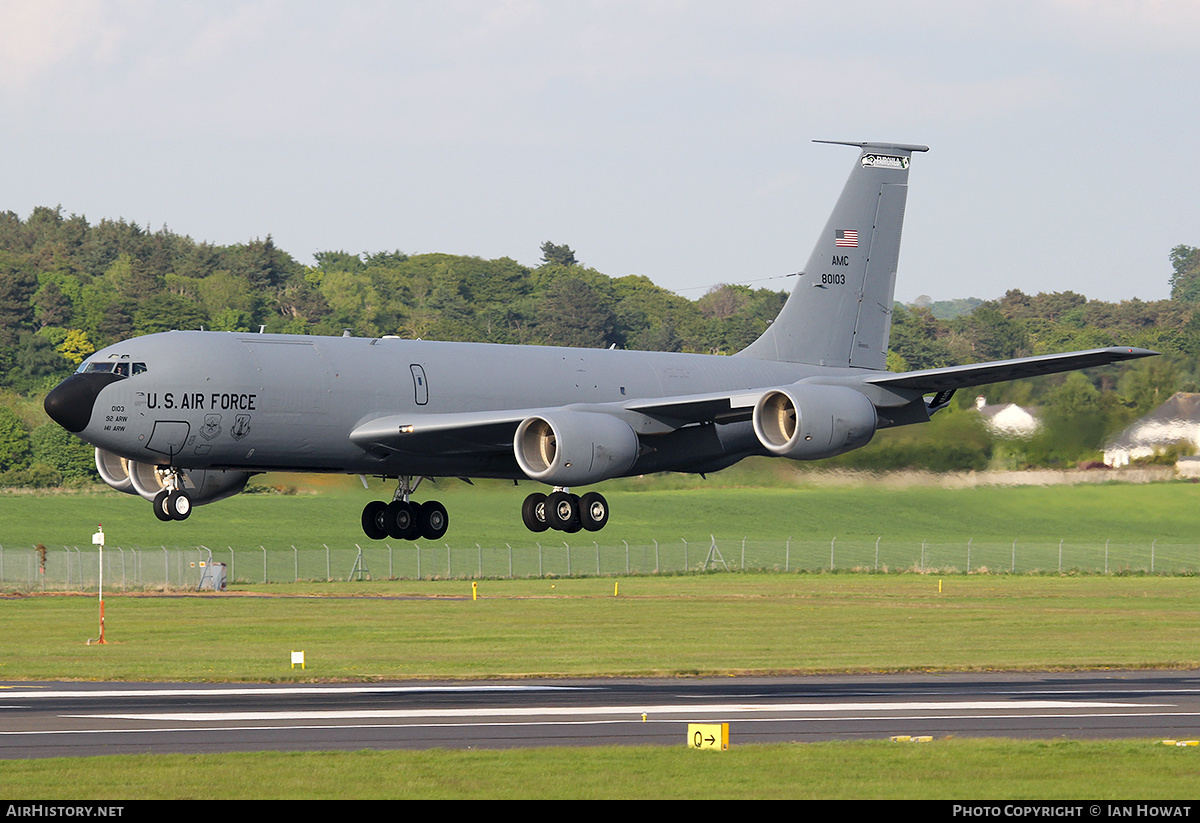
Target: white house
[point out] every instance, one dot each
(1007, 419)
(1176, 422)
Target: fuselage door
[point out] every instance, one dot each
(420, 386)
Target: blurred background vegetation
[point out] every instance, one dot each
(68, 288)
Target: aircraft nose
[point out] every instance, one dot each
(70, 403)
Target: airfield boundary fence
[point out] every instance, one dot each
(72, 568)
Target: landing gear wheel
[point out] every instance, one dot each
(160, 506)
(593, 511)
(562, 511)
(533, 512)
(179, 505)
(400, 519)
(373, 520)
(434, 520)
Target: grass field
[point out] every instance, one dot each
(654, 625)
(712, 624)
(966, 770)
(1084, 518)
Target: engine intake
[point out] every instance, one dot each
(808, 422)
(571, 448)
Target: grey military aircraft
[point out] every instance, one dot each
(184, 418)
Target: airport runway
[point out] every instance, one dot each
(80, 719)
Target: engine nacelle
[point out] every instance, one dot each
(808, 422)
(202, 485)
(570, 448)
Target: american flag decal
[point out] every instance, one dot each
(845, 238)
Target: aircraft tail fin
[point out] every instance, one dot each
(840, 311)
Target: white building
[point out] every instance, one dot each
(1008, 419)
(1176, 422)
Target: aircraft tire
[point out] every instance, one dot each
(179, 505)
(401, 519)
(372, 520)
(593, 511)
(434, 520)
(562, 512)
(533, 512)
(160, 506)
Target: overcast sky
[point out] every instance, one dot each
(664, 138)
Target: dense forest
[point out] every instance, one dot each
(68, 288)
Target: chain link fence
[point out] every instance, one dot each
(143, 567)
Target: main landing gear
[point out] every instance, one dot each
(405, 519)
(563, 511)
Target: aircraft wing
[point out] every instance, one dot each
(483, 431)
(450, 433)
(978, 374)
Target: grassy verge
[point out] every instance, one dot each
(945, 770)
(697, 624)
(489, 513)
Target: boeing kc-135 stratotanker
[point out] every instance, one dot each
(185, 418)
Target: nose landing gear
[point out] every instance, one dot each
(172, 503)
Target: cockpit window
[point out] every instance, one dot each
(123, 368)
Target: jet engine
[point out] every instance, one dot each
(570, 448)
(202, 485)
(808, 422)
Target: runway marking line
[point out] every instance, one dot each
(652, 711)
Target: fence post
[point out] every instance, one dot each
(831, 542)
(877, 539)
(969, 555)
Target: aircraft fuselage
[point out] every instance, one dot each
(262, 402)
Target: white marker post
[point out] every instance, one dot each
(98, 540)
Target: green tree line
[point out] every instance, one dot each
(69, 287)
